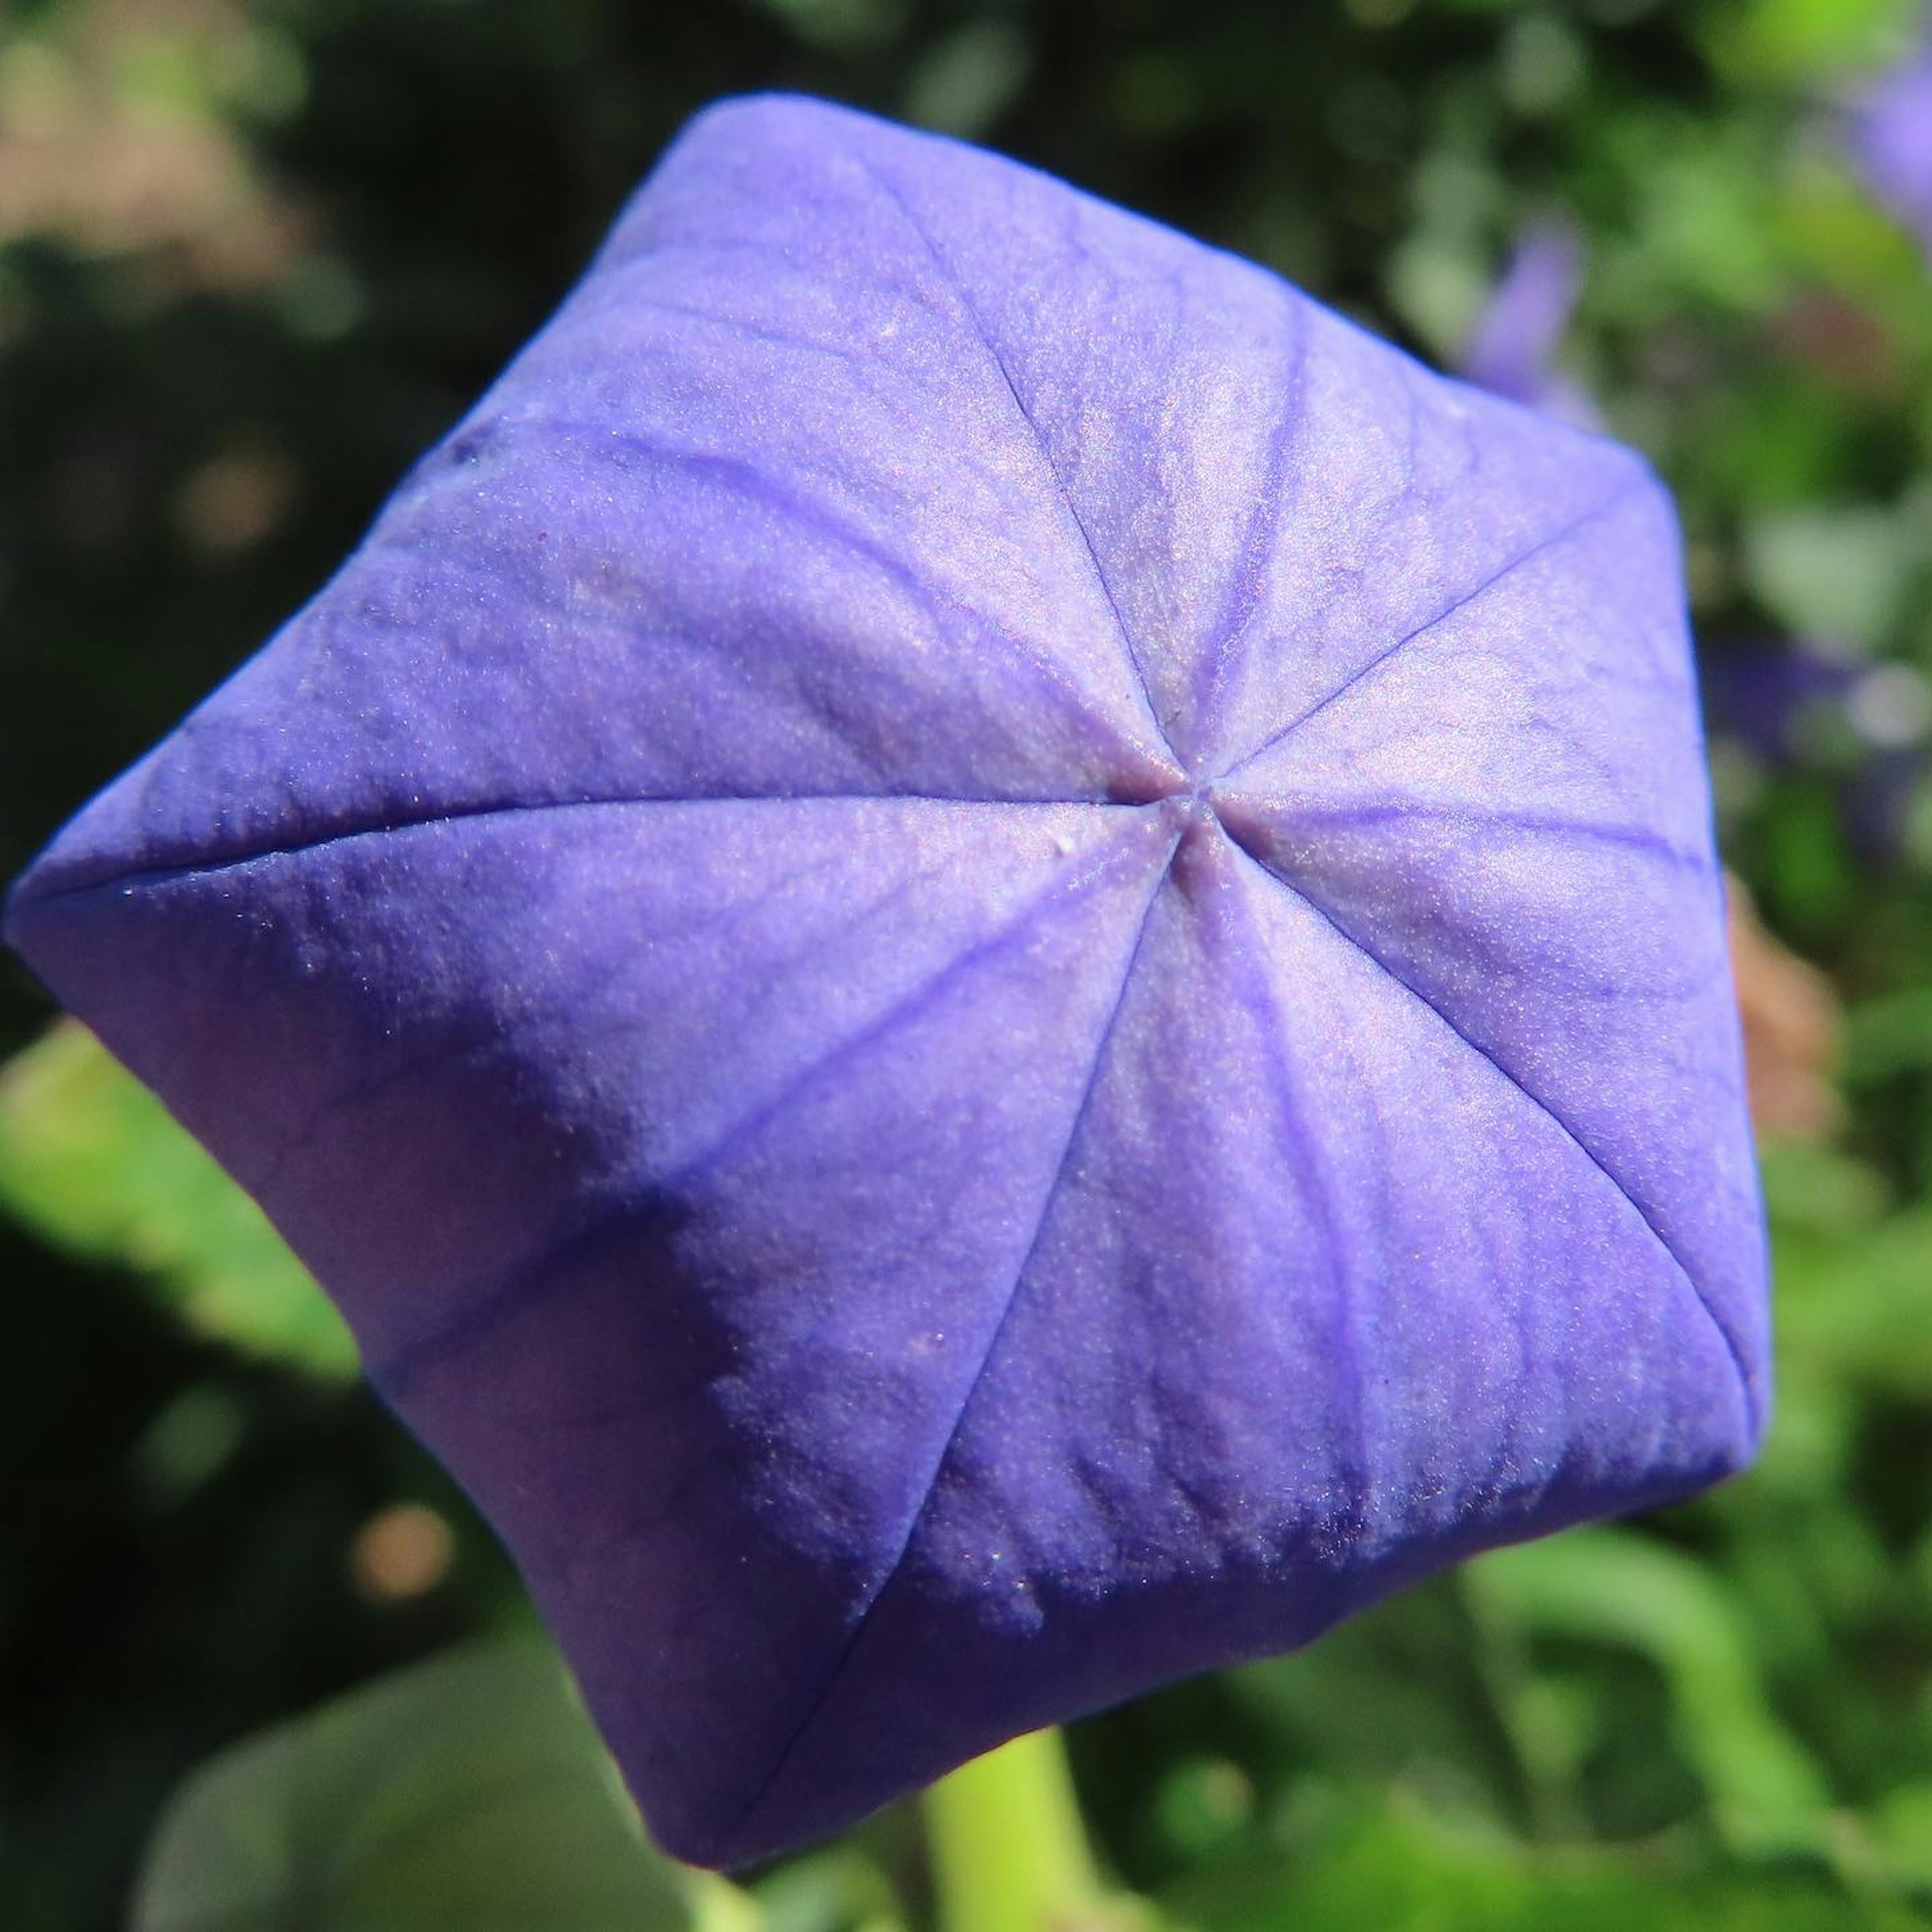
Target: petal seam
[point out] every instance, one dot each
(1556, 537)
(1746, 1389)
(969, 311)
(161, 875)
(864, 1620)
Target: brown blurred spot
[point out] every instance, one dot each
(1842, 342)
(1792, 1031)
(92, 157)
(401, 1553)
(230, 502)
(1709, 574)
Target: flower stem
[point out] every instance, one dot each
(1009, 1853)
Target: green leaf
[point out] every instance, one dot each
(1414, 1662)
(1903, 1825)
(1402, 1870)
(1774, 43)
(469, 1791)
(840, 1890)
(1859, 1309)
(1842, 574)
(1613, 1586)
(92, 1162)
(1889, 1035)
(1819, 1190)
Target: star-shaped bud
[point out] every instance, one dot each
(987, 960)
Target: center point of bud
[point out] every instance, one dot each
(1190, 810)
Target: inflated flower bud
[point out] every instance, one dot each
(987, 960)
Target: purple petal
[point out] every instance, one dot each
(988, 962)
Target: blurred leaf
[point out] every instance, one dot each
(1819, 1189)
(1860, 1310)
(839, 1891)
(1401, 1871)
(1838, 574)
(1834, 227)
(1808, 876)
(1903, 1828)
(1203, 1804)
(1393, 1693)
(962, 85)
(1613, 1586)
(1892, 1034)
(90, 1160)
(1699, 195)
(1438, 287)
(470, 1792)
(1769, 42)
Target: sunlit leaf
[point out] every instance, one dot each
(469, 1792)
(1841, 574)
(91, 1160)
(1402, 1871)
(1612, 1586)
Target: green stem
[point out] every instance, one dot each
(1009, 1852)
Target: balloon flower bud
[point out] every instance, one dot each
(987, 960)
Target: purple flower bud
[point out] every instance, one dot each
(1890, 139)
(987, 961)
(1513, 350)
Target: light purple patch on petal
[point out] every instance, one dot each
(987, 961)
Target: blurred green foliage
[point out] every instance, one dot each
(471, 1792)
(254, 254)
(90, 1160)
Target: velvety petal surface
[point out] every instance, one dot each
(1322, 1301)
(987, 960)
(1468, 811)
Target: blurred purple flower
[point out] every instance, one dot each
(1791, 704)
(1513, 351)
(987, 961)
(1762, 693)
(1891, 138)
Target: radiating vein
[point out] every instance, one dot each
(747, 481)
(1496, 577)
(485, 1314)
(430, 816)
(1303, 816)
(1225, 650)
(970, 311)
(1543, 1106)
(1344, 1358)
(930, 1490)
